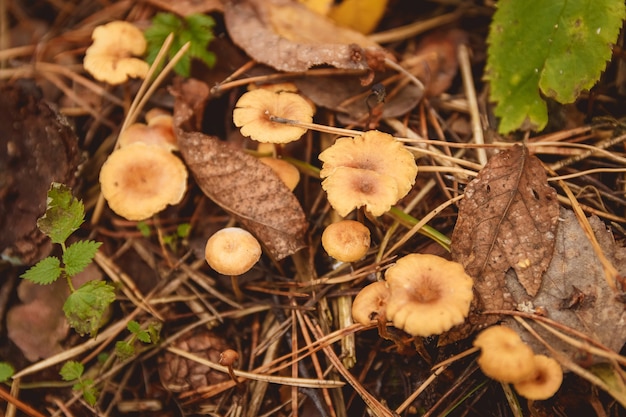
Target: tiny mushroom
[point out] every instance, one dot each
(346, 240)
(369, 304)
(373, 170)
(158, 135)
(232, 251)
(110, 56)
(503, 355)
(254, 108)
(139, 180)
(287, 172)
(544, 382)
(427, 294)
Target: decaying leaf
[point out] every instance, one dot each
(508, 219)
(289, 37)
(575, 292)
(434, 62)
(38, 147)
(238, 182)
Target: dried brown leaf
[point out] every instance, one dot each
(289, 37)
(238, 182)
(574, 291)
(507, 219)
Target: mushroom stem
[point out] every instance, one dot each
(236, 289)
(228, 358)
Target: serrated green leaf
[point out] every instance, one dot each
(78, 255)
(133, 327)
(71, 370)
(90, 392)
(558, 47)
(44, 272)
(6, 371)
(143, 336)
(64, 214)
(124, 350)
(85, 307)
(155, 331)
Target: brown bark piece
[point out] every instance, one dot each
(508, 219)
(289, 37)
(238, 182)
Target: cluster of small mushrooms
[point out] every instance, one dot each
(371, 171)
(506, 358)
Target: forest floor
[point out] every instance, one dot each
(279, 339)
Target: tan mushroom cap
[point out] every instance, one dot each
(544, 382)
(232, 251)
(109, 58)
(288, 173)
(370, 303)
(346, 240)
(428, 294)
(140, 180)
(156, 134)
(254, 108)
(503, 355)
(373, 170)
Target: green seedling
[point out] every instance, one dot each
(196, 28)
(73, 371)
(86, 305)
(126, 348)
(539, 49)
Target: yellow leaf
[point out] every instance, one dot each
(318, 6)
(360, 15)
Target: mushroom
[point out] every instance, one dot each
(346, 240)
(139, 180)
(369, 304)
(232, 251)
(427, 294)
(109, 58)
(503, 355)
(288, 173)
(544, 382)
(254, 108)
(372, 170)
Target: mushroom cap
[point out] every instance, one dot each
(372, 170)
(346, 240)
(370, 302)
(157, 134)
(254, 108)
(428, 294)
(232, 251)
(287, 172)
(503, 355)
(544, 382)
(140, 180)
(109, 58)
(349, 188)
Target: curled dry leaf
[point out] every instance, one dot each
(508, 219)
(575, 292)
(236, 181)
(289, 37)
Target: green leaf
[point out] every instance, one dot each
(6, 371)
(90, 392)
(133, 327)
(64, 214)
(558, 48)
(124, 350)
(44, 272)
(72, 370)
(143, 336)
(78, 255)
(143, 228)
(183, 230)
(154, 329)
(85, 307)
